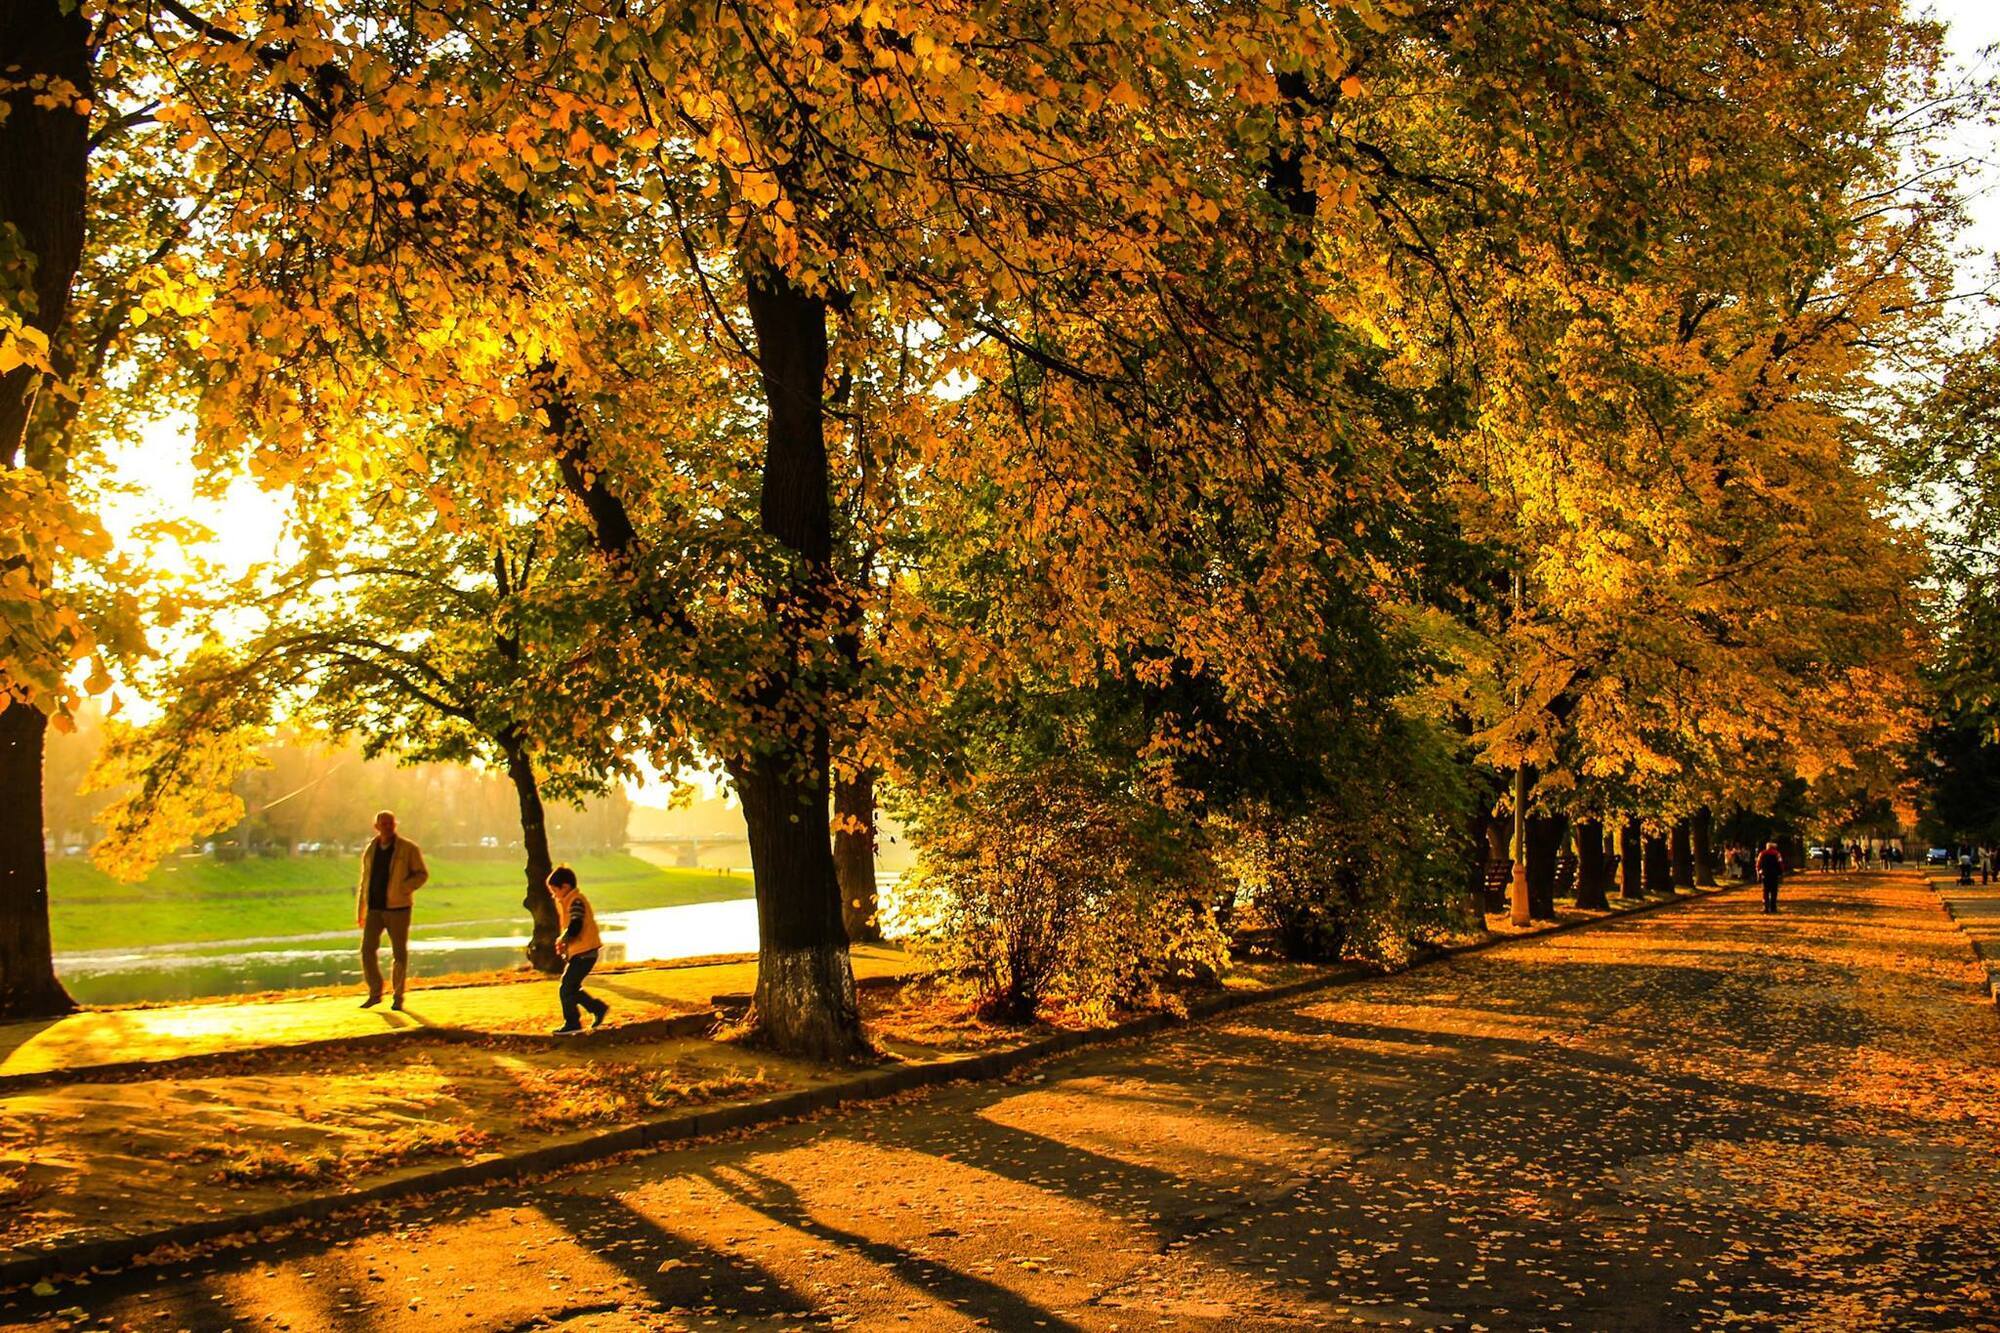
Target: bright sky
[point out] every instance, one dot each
(1973, 26)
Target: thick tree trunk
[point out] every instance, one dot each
(1681, 851)
(1478, 842)
(43, 166)
(1545, 836)
(1591, 877)
(28, 985)
(804, 1003)
(541, 950)
(1631, 859)
(43, 172)
(1704, 847)
(1659, 871)
(854, 856)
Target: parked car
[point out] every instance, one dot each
(1938, 856)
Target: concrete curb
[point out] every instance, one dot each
(682, 1127)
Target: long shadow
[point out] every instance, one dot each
(635, 995)
(970, 1295)
(13, 1036)
(699, 1276)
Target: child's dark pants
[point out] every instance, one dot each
(571, 990)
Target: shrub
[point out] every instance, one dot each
(1059, 886)
(1362, 868)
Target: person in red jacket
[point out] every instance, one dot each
(1770, 869)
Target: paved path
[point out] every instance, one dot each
(1976, 909)
(99, 1037)
(1693, 1118)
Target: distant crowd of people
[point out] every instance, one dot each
(1858, 855)
(1974, 864)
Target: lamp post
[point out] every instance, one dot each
(1518, 895)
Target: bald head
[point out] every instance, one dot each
(385, 827)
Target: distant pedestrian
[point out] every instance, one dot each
(1771, 869)
(392, 870)
(578, 945)
(1965, 866)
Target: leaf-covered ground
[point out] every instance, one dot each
(1701, 1117)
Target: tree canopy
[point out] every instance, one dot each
(1247, 417)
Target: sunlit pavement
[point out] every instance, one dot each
(1699, 1117)
(230, 1027)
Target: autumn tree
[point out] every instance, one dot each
(1010, 189)
(89, 201)
(435, 634)
(1669, 369)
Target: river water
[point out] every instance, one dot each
(299, 962)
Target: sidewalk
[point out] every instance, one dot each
(99, 1041)
(1975, 909)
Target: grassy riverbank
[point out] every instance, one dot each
(201, 899)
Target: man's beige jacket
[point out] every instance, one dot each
(406, 875)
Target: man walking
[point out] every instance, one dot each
(1771, 869)
(392, 870)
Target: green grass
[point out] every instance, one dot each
(200, 899)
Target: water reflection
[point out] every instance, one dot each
(240, 967)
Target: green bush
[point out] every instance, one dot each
(1363, 868)
(1059, 887)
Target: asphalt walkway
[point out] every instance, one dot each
(1702, 1117)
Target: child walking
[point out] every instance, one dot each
(578, 945)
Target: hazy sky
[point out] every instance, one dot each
(1973, 26)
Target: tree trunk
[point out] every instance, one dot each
(28, 985)
(1544, 845)
(1704, 848)
(804, 1003)
(1681, 850)
(1591, 877)
(541, 948)
(854, 856)
(43, 172)
(1659, 873)
(44, 154)
(1631, 856)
